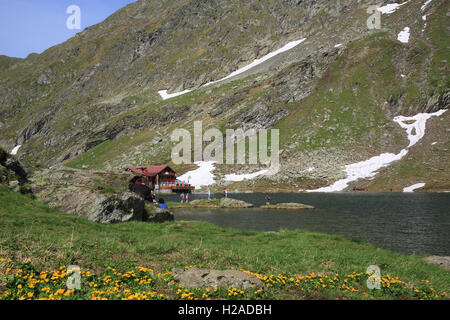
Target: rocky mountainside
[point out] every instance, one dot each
(92, 102)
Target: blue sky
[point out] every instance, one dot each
(28, 26)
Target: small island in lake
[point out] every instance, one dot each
(212, 204)
(287, 206)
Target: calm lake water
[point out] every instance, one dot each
(413, 223)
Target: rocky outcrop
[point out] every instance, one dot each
(438, 102)
(216, 203)
(288, 206)
(157, 214)
(440, 261)
(207, 278)
(118, 208)
(13, 173)
(234, 203)
(20, 171)
(98, 196)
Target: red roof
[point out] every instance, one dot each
(148, 170)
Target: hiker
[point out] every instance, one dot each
(267, 200)
(209, 194)
(162, 204)
(182, 197)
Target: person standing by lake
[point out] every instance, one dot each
(182, 197)
(209, 194)
(225, 194)
(162, 204)
(267, 199)
(187, 197)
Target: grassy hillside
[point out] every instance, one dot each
(134, 260)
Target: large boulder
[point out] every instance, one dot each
(234, 203)
(288, 206)
(440, 261)
(157, 214)
(96, 195)
(14, 185)
(5, 174)
(118, 208)
(206, 278)
(12, 169)
(18, 168)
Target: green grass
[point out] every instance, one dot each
(346, 111)
(48, 239)
(438, 30)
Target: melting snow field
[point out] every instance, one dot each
(390, 8)
(164, 95)
(201, 176)
(16, 148)
(415, 128)
(241, 177)
(403, 36)
(420, 121)
(414, 187)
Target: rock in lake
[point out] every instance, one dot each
(156, 214)
(206, 278)
(216, 203)
(234, 203)
(288, 206)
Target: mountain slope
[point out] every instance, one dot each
(93, 101)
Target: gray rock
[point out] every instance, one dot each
(19, 169)
(443, 261)
(436, 103)
(234, 203)
(14, 186)
(160, 215)
(207, 278)
(290, 205)
(118, 208)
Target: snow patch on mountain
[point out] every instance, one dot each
(403, 36)
(164, 95)
(415, 129)
(202, 176)
(15, 150)
(391, 7)
(414, 187)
